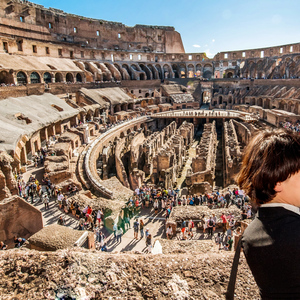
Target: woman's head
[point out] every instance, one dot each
(271, 157)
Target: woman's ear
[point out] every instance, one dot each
(278, 187)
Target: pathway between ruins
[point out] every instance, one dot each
(192, 154)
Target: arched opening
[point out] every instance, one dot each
(281, 105)
(35, 78)
(198, 70)
(229, 75)
(259, 102)
(47, 77)
(21, 78)
(191, 71)
(207, 71)
(175, 70)
(153, 71)
(159, 70)
(267, 104)
(182, 69)
(58, 77)
(78, 77)
(167, 71)
(69, 77)
(147, 71)
(6, 78)
(129, 72)
(252, 101)
(220, 99)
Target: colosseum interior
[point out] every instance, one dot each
(118, 108)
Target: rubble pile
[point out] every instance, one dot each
(197, 212)
(83, 274)
(188, 246)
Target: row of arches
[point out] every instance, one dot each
(143, 71)
(292, 106)
(22, 78)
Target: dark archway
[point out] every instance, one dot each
(35, 78)
(58, 77)
(47, 77)
(78, 77)
(175, 70)
(229, 75)
(6, 78)
(69, 77)
(21, 78)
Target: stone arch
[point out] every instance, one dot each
(198, 70)
(47, 77)
(289, 106)
(78, 77)
(252, 101)
(281, 105)
(176, 70)
(160, 72)
(35, 77)
(154, 71)
(58, 77)
(266, 104)
(220, 99)
(260, 102)
(6, 77)
(147, 71)
(191, 71)
(167, 71)
(69, 77)
(183, 71)
(207, 71)
(21, 78)
(252, 69)
(129, 72)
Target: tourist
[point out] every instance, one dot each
(19, 242)
(270, 176)
(210, 225)
(115, 228)
(61, 221)
(204, 223)
(169, 232)
(190, 228)
(215, 221)
(219, 240)
(229, 242)
(149, 243)
(183, 228)
(45, 200)
(3, 246)
(224, 222)
(119, 234)
(147, 232)
(97, 233)
(136, 228)
(102, 238)
(142, 228)
(104, 247)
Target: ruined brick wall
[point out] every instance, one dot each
(17, 217)
(232, 152)
(8, 184)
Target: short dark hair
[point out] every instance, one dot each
(269, 158)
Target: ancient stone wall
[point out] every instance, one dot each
(17, 217)
(232, 152)
(8, 184)
(203, 165)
